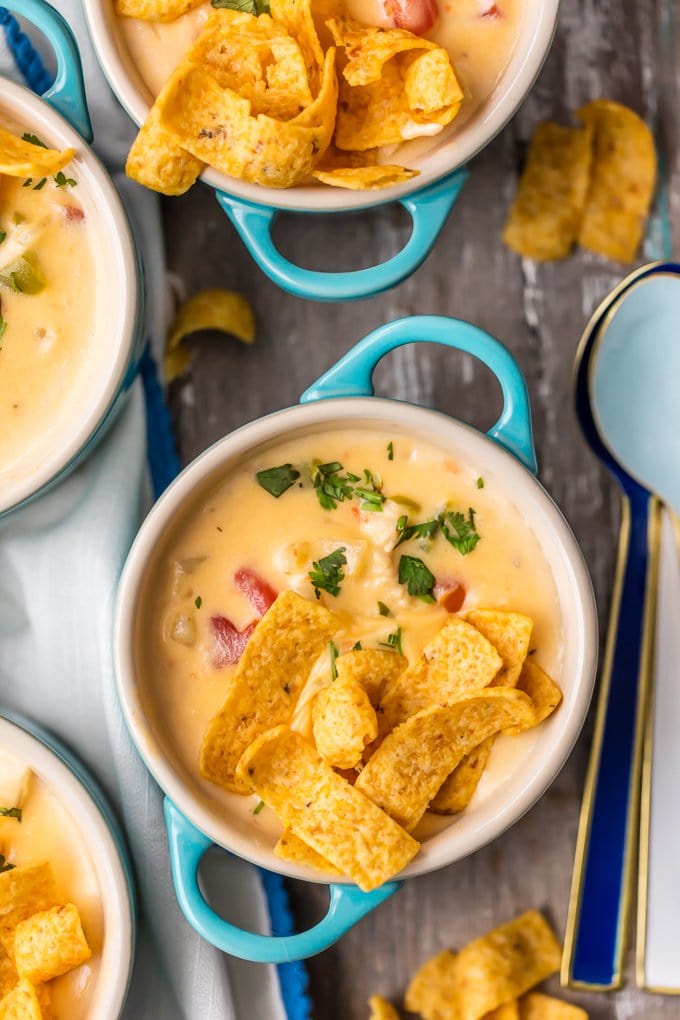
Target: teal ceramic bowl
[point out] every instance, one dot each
(427, 198)
(60, 118)
(80, 797)
(343, 398)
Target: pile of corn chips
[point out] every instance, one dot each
(591, 185)
(41, 938)
(390, 740)
(276, 100)
(490, 979)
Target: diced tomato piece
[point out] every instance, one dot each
(229, 642)
(450, 595)
(417, 16)
(260, 594)
(72, 213)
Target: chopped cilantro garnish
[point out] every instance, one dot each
(394, 641)
(277, 480)
(62, 181)
(4, 866)
(372, 500)
(327, 573)
(460, 531)
(33, 139)
(370, 492)
(258, 808)
(417, 577)
(333, 650)
(11, 812)
(390, 450)
(255, 7)
(332, 487)
(356, 647)
(407, 531)
(480, 482)
(27, 183)
(41, 184)
(198, 601)
(384, 610)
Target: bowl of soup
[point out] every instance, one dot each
(70, 292)
(496, 51)
(66, 899)
(319, 622)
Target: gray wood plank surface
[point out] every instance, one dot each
(623, 49)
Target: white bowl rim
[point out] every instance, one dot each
(25, 106)
(270, 428)
(524, 67)
(119, 928)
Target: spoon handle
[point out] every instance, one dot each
(658, 932)
(601, 883)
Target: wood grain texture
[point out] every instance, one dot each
(622, 49)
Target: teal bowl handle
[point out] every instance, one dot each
(428, 209)
(352, 376)
(67, 93)
(187, 847)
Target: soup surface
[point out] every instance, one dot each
(49, 282)
(47, 833)
(239, 545)
(480, 37)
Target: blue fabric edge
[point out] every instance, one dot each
(164, 466)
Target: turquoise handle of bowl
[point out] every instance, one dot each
(352, 376)
(428, 209)
(187, 847)
(67, 93)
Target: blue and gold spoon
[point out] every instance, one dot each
(601, 885)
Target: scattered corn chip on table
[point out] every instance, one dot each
(539, 311)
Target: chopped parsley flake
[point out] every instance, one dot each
(332, 487)
(3, 235)
(417, 577)
(460, 531)
(41, 184)
(198, 601)
(333, 650)
(406, 531)
(356, 647)
(62, 181)
(370, 492)
(277, 480)
(33, 139)
(480, 482)
(390, 450)
(327, 573)
(11, 812)
(258, 807)
(255, 7)
(384, 610)
(394, 641)
(3, 327)
(4, 866)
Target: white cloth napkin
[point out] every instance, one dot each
(60, 559)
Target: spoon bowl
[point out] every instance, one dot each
(634, 377)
